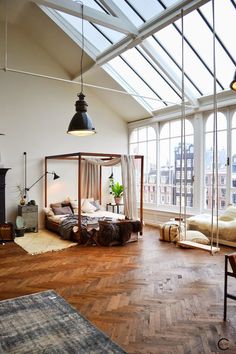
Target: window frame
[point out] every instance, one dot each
(155, 127)
(198, 121)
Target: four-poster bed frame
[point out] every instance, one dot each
(79, 156)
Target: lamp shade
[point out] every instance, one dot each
(81, 124)
(233, 83)
(55, 176)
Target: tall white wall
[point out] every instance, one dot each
(35, 114)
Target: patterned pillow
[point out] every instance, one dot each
(65, 204)
(62, 210)
(96, 204)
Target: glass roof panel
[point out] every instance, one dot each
(131, 82)
(150, 75)
(90, 32)
(205, 46)
(153, 8)
(198, 79)
(172, 65)
(192, 65)
(225, 16)
(114, 36)
(127, 10)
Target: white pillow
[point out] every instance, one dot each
(74, 203)
(226, 218)
(87, 207)
(194, 236)
(48, 211)
(230, 212)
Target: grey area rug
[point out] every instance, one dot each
(46, 323)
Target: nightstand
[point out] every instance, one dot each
(30, 215)
(114, 207)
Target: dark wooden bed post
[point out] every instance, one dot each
(100, 185)
(46, 183)
(79, 193)
(141, 194)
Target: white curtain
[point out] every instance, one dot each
(129, 183)
(90, 180)
(111, 162)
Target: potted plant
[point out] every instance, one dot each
(117, 191)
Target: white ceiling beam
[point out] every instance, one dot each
(158, 22)
(116, 11)
(90, 14)
(166, 69)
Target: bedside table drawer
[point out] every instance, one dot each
(28, 208)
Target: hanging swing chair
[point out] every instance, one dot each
(186, 235)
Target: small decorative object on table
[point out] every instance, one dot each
(21, 194)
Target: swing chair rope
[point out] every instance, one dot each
(183, 176)
(215, 182)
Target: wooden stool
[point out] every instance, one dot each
(232, 260)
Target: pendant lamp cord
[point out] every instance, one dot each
(82, 53)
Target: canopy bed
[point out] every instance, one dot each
(89, 192)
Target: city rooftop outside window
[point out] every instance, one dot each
(222, 161)
(170, 164)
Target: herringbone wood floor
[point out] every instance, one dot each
(148, 296)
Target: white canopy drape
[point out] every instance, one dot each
(128, 180)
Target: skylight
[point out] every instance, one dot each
(150, 66)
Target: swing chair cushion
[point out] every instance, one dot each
(226, 224)
(193, 236)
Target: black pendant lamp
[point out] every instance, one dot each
(233, 83)
(81, 124)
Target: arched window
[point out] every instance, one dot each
(233, 161)
(170, 163)
(143, 142)
(222, 161)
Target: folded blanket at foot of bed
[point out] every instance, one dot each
(117, 233)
